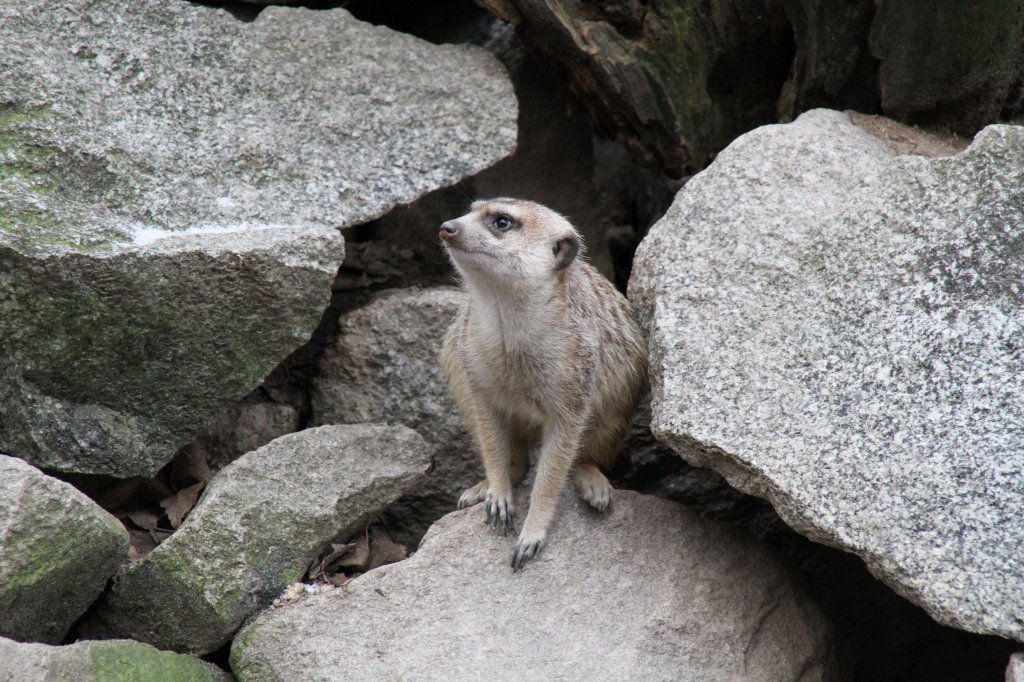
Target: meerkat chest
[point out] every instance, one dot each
(525, 375)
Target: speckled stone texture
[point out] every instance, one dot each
(841, 331)
(182, 115)
(109, 363)
(1015, 668)
(255, 530)
(170, 183)
(384, 367)
(101, 662)
(57, 551)
(649, 591)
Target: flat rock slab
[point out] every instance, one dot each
(841, 331)
(384, 366)
(171, 181)
(57, 551)
(648, 592)
(255, 530)
(101, 662)
(183, 116)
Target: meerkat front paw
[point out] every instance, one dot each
(500, 511)
(528, 547)
(474, 495)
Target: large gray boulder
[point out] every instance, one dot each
(170, 183)
(57, 551)
(840, 330)
(384, 367)
(648, 591)
(101, 662)
(258, 526)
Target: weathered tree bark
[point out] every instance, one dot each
(677, 81)
(673, 81)
(948, 62)
(833, 66)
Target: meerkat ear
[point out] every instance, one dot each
(565, 251)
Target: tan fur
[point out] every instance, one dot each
(538, 356)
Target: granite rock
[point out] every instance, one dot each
(171, 181)
(647, 591)
(255, 530)
(838, 329)
(1015, 668)
(57, 551)
(101, 662)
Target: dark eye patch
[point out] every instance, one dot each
(502, 222)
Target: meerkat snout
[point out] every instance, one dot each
(449, 229)
(544, 353)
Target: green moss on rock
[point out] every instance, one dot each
(136, 662)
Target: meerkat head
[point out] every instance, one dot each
(511, 239)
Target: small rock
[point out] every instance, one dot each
(101, 662)
(646, 591)
(257, 527)
(57, 551)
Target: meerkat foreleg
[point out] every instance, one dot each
(520, 465)
(557, 456)
(497, 450)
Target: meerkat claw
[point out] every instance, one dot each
(499, 513)
(524, 552)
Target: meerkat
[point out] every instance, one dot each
(544, 353)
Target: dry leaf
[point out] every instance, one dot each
(141, 544)
(180, 503)
(343, 562)
(327, 562)
(384, 550)
(146, 520)
(338, 579)
(358, 554)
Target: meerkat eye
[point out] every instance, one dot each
(503, 223)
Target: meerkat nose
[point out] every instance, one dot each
(449, 229)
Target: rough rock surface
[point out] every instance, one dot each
(113, 361)
(57, 551)
(101, 662)
(255, 530)
(124, 125)
(384, 367)
(649, 591)
(1015, 669)
(840, 330)
(299, 118)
